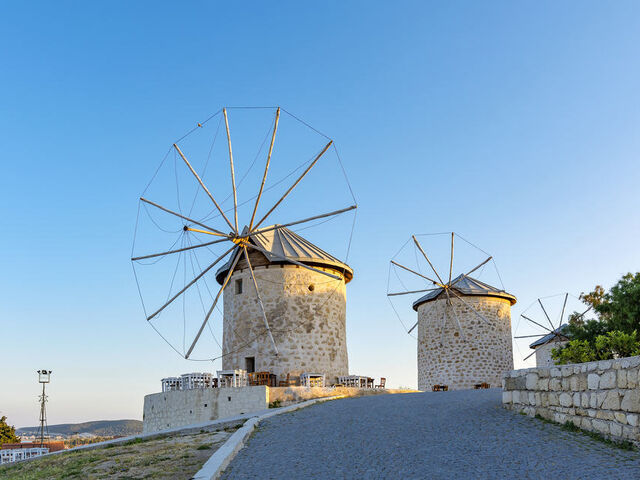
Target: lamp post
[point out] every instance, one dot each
(44, 377)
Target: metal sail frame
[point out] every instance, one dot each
(448, 287)
(240, 240)
(555, 331)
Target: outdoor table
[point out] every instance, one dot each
(357, 381)
(312, 379)
(232, 378)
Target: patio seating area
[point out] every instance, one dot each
(241, 378)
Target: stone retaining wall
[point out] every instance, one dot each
(599, 396)
(188, 407)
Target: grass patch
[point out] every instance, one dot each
(275, 404)
(569, 426)
(204, 447)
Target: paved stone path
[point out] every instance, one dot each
(443, 435)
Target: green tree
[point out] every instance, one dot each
(7, 432)
(613, 332)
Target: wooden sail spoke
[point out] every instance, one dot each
(206, 319)
(204, 187)
(169, 252)
(315, 160)
(266, 168)
(164, 209)
(533, 321)
(566, 297)
(412, 328)
(455, 314)
(264, 313)
(470, 272)
(198, 277)
(298, 222)
(451, 261)
(415, 240)
(416, 273)
(472, 309)
(412, 291)
(546, 314)
(233, 174)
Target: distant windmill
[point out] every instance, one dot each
(476, 316)
(457, 287)
(538, 316)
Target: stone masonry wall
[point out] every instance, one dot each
(187, 407)
(482, 354)
(599, 396)
(307, 315)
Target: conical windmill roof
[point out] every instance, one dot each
(284, 243)
(465, 285)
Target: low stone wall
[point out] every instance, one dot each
(187, 407)
(599, 396)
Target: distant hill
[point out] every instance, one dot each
(102, 428)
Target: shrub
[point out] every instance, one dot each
(604, 347)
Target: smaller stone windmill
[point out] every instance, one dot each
(464, 328)
(552, 336)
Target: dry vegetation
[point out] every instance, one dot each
(176, 456)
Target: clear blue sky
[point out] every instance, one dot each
(516, 124)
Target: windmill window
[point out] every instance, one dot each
(238, 286)
(312, 287)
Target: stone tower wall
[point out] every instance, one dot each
(484, 356)
(307, 315)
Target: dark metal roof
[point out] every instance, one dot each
(285, 243)
(558, 332)
(465, 285)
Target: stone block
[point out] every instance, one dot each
(620, 417)
(604, 415)
(630, 433)
(531, 381)
(601, 426)
(566, 384)
(605, 365)
(555, 372)
(615, 429)
(567, 370)
(593, 380)
(543, 373)
(516, 383)
(631, 401)
(622, 379)
(608, 380)
(553, 399)
(507, 397)
(584, 401)
(543, 384)
(515, 396)
(577, 400)
(555, 384)
(532, 398)
(611, 401)
(632, 378)
(592, 412)
(586, 424)
(632, 419)
(566, 400)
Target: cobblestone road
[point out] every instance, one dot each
(444, 435)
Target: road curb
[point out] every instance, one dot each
(218, 462)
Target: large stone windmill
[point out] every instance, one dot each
(464, 328)
(284, 299)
